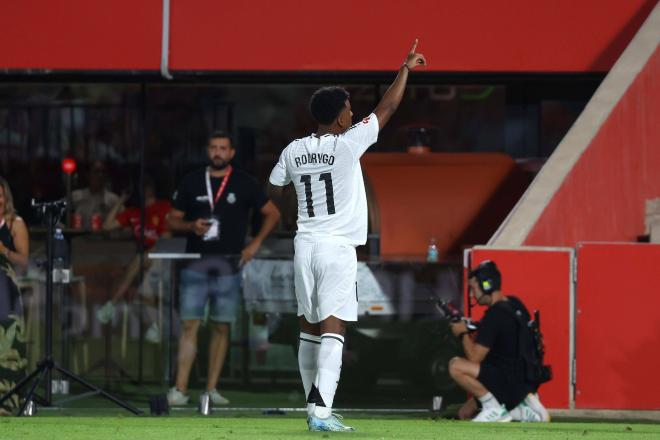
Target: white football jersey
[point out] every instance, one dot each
(326, 172)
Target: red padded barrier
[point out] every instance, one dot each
(80, 34)
(465, 35)
(542, 279)
(618, 326)
(294, 35)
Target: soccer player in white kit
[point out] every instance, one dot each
(332, 220)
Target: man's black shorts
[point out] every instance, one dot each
(507, 386)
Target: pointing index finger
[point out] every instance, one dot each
(414, 46)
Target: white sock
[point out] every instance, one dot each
(308, 354)
(489, 401)
(329, 369)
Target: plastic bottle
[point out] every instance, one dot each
(432, 255)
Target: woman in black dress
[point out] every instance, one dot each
(14, 249)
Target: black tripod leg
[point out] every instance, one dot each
(22, 383)
(83, 382)
(29, 395)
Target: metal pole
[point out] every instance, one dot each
(143, 140)
(51, 218)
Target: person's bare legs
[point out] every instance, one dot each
(465, 374)
(187, 353)
(331, 324)
(218, 346)
(309, 328)
(468, 409)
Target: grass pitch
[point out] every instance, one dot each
(293, 427)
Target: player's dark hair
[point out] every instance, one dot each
(215, 134)
(327, 102)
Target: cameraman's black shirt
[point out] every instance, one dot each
(498, 330)
(241, 194)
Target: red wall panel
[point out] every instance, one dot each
(602, 199)
(293, 35)
(542, 279)
(466, 35)
(80, 34)
(618, 326)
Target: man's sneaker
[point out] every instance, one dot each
(176, 397)
(493, 414)
(153, 334)
(217, 398)
(533, 403)
(523, 413)
(332, 423)
(105, 313)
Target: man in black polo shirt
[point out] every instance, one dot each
(212, 205)
(492, 368)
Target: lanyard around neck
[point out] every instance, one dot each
(214, 200)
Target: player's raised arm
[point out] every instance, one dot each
(392, 97)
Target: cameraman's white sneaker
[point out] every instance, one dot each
(530, 410)
(493, 414)
(176, 397)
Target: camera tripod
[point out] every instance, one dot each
(52, 212)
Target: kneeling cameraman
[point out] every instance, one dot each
(491, 370)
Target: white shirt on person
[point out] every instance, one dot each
(326, 173)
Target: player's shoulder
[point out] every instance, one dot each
(295, 144)
(365, 121)
(293, 148)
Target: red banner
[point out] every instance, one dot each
(618, 326)
(294, 35)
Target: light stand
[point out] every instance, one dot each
(52, 212)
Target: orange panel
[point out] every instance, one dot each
(431, 195)
(618, 326)
(542, 279)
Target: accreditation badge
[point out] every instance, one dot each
(214, 229)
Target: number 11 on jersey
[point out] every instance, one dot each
(306, 179)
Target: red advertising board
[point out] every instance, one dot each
(294, 35)
(618, 326)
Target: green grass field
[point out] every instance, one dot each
(292, 427)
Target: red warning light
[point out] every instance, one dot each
(69, 165)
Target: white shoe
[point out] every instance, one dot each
(106, 313)
(176, 397)
(153, 334)
(217, 398)
(493, 414)
(531, 410)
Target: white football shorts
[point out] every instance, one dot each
(325, 280)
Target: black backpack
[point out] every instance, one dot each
(531, 348)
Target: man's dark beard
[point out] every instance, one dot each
(220, 167)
